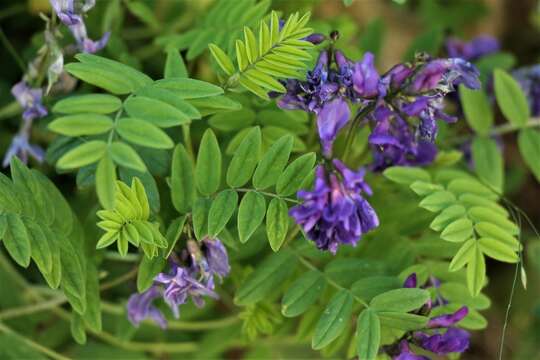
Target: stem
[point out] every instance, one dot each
(352, 130)
(42, 349)
(269, 194)
(30, 309)
(12, 51)
(119, 280)
(186, 131)
(507, 128)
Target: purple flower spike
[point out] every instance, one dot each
(335, 212)
(139, 308)
(332, 118)
(216, 256)
(365, 77)
(474, 49)
(180, 284)
(30, 100)
(454, 340)
(448, 319)
(405, 353)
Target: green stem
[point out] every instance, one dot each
(31, 309)
(269, 194)
(12, 51)
(186, 131)
(42, 349)
(507, 128)
(119, 280)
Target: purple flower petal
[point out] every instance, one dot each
(332, 118)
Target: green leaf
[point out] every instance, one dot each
(369, 287)
(144, 13)
(447, 216)
(476, 271)
(215, 104)
(90, 103)
(498, 250)
(402, 321)
(267, 276)
(481, 213)
(477, 109)
(16, 240)
(106, 182)
(303, 293)
(406, 175)
(471, 186)
(511, 98)
(400, 300)
(101, 76)
(250, 214)
(490, 230)
(124, 155)
(73, 277)
(463, 256)
(174, 65)
(84, 154)
(295, 174)
(423, 188)
(208, 167)
(177, 112)
(488, 162)
(148, 270)
(143, 133)
(77, 329)
(182, 186)
(174, 231)
(458, 230)
(272, 163)
(222, 59)
(334, 320)
(245, 159)
(368, 334)
(277, 222)
(222, 209)
(232, 120)
(155, 111)
(189, 88)
(529, 147)
(201, 207)
(92, 315)
(81, 124)
(438, 201)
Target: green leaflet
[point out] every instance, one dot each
(156, 111)
(402, 321)
(295, 174)
(91, 103)
(85, 154)
(406, 175)
(174, 231)
(463, 256)
(272, 163)
(498, 250)
(476, 271)
(81, 124)
(250, 214)
(245, 159)
(369, 287)
(277, 222)
(221, 210)
(438, 201)
(186, 88)
(458, 230)
(174, 65)
(208, 166)
(143, 133)
(529, 147)
(201, 207)
(368, 334)
(105, 182)
(16, 240)
(511, 98)
(477, 109)
(400, 300)
(92, 315)
(233, 120)
(488, 162)
(73, 279)
(124, 155)
(303, 293)
(182, 184)
(222, 59)
(268, 275)
(334, 319)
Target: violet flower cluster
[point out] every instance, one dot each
(401, 106)
(440, 337)
(474, 49)
(195, 280)
(335, 211)
(71, 13)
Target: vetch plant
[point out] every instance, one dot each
(224, 180)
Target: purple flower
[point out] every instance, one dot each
(21, 148)
(529, 80)
(405, 353)
(454, 340)
(331, 119)
(444, 75)
(139, 308)
(30, 100)
(335, 212)
(474, 49)
(216, 257)
(71, 12)
(365, 77)
(448, 319)
(179, 284)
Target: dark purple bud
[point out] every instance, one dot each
(410, 281)
(405, 353)
(448, 319)
(315, 39)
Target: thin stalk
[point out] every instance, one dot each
(31, 309)
(119, 280)
(269, 194)
(12, 51)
